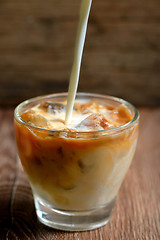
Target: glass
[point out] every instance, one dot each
(75, 176)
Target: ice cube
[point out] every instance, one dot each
(34, 118)
(124, 113)
(85, 108)
(94, 121)
(51, 107)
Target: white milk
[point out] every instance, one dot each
(74, 78)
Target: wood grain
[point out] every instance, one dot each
(121, 56)
(137, 211)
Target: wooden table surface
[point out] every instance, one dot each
(137, 210)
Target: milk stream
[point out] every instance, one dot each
(74, 78)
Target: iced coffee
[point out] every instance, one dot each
(77, 167)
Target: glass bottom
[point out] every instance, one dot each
(73, 220)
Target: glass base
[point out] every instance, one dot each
(73, 220)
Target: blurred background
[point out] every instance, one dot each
(121, 55)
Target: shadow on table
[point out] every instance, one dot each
(18, 219)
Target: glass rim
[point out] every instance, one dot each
(78, 94)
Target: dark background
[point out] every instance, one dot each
(121, 55)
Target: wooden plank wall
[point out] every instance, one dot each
(121, 57)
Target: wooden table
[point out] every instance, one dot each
(137, 211)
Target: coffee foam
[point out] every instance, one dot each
(87, 116)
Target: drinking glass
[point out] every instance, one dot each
(75, 176)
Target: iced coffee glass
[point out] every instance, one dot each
(75, 173)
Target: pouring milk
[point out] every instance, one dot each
(74, 78)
